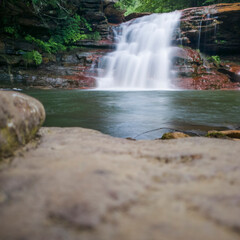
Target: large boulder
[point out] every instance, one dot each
(20, 118)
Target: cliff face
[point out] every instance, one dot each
(213, 29)
(59, 68)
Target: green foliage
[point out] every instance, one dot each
(33, 57)
(215, 59)
(50, 46)
(12, 30)
(220, 41)
(70, 31)
(94, 36)
(164, 5)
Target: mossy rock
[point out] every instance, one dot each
(174, 135)
(224, 134)
(20, 118)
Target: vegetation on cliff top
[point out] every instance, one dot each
(157, 6)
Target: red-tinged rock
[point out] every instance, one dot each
(232, 70)
(81, 81)
(195, 72)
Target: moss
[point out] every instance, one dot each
(167, 136)
(216, 134)
(11, 143)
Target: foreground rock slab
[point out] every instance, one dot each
(81, 184)
(20, 118)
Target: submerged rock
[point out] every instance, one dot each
(20, 118)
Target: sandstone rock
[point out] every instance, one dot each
(174, 135)
(20, 118)
(81, 184)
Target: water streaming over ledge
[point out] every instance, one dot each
(142, 59)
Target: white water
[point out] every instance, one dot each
(142, 59)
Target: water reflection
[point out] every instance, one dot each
(129, 114)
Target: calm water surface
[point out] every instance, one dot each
(131, 114)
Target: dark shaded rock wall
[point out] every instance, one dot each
(214, 29)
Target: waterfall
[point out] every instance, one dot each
(142, 59)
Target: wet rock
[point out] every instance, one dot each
(103, 44)
(70, 70)
(20, 118)
(174, 135)
(213, 29)
(232, 70)
(193, 71)
(135, 15)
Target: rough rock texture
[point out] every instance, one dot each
(113, 14)
(20, 118)
(81, 184)
(92, 10)
(194, 71)
(213, 29)
(74, 69)
(61, 70)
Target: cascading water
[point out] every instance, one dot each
(142, 59)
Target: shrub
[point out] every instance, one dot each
(33, 57)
